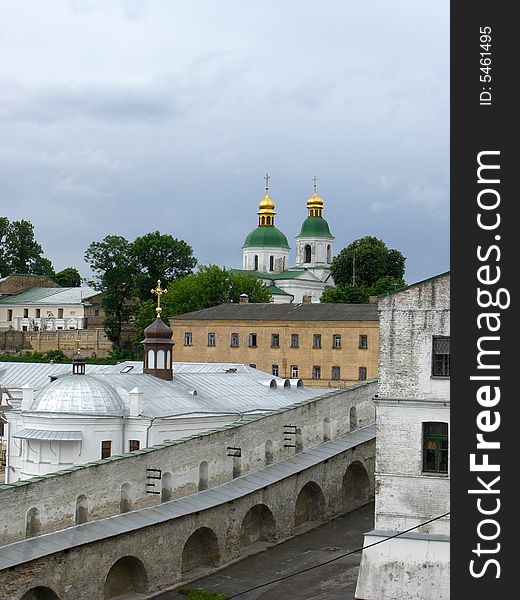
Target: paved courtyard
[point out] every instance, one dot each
(335, 581)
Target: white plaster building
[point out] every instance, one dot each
(47, 309)
(412, 448)
(265, 254)
(88, 412)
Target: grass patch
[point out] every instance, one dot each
(200, 594)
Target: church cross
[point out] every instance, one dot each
(158, 291)
(314, 179)
(267, 182)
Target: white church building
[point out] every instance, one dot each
(57, 416)
(265, 253)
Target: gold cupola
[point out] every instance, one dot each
(315, 203)
(266, 208)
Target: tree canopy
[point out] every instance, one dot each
(125, 272)
(20, 253)
(209, 286)
(160, 257)
(69, 277)
(366, 267)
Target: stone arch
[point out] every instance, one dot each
(40, 593)
(125, 503)
(258, 525)
(126, 575)
(310, 504)
(166, 487)
(326, 429)
(32, 523)
(353, 418)
(203, 476)
(307, 253)
(200, 550)
(81, 515)
(268, 452)
(356, 486)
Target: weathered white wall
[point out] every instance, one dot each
(405, 568)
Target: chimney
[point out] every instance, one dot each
(244, 299)
(27, 397)
(136, 402)
(307, 299)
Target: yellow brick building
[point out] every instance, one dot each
(323, 344)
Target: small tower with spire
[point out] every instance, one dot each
(79, 361)
(158, 343)
(266, 249)
(314, 244)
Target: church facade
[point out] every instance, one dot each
(265, 253)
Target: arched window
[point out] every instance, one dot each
(151, 359)
(256, 262)
(268, 452)
(307, 251)
(32, 523)
(271, 263)
(160, 359)
(125, 504)
(329, 254)
(166, 487)
(168, 360)
(203, 476)
(81, 510)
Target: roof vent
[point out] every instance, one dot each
(231, 370)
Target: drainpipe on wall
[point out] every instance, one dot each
(148, 430)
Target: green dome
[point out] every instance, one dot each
(315, 227)
(266, 237)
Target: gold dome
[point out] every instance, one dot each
(315, 203)
(266, 208)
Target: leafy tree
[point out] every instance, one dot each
(365, 268)
(210, 286)
(69, 277)
(160, 257)
(365, 261)
(19, 252)
(114, 273)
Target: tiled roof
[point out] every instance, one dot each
(285, 312)
(70, 295)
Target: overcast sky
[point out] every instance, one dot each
(127, 116)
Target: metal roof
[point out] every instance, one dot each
(51, 296)
(284, 312)
(222, 389)
(51, 543)
(38, 434)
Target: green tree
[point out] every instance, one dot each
(365, 268)
(19, 251)
(160, 257)
(365, 261)
(114, 274)
(210, 286)
(69, 277)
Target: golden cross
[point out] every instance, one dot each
(314, 179)
(267, 182)
(158, 291)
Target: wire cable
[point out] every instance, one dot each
(257, 587)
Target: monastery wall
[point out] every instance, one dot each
(119, 483)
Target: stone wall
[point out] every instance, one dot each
(55, 495)
(154, 557)
(91, 341)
